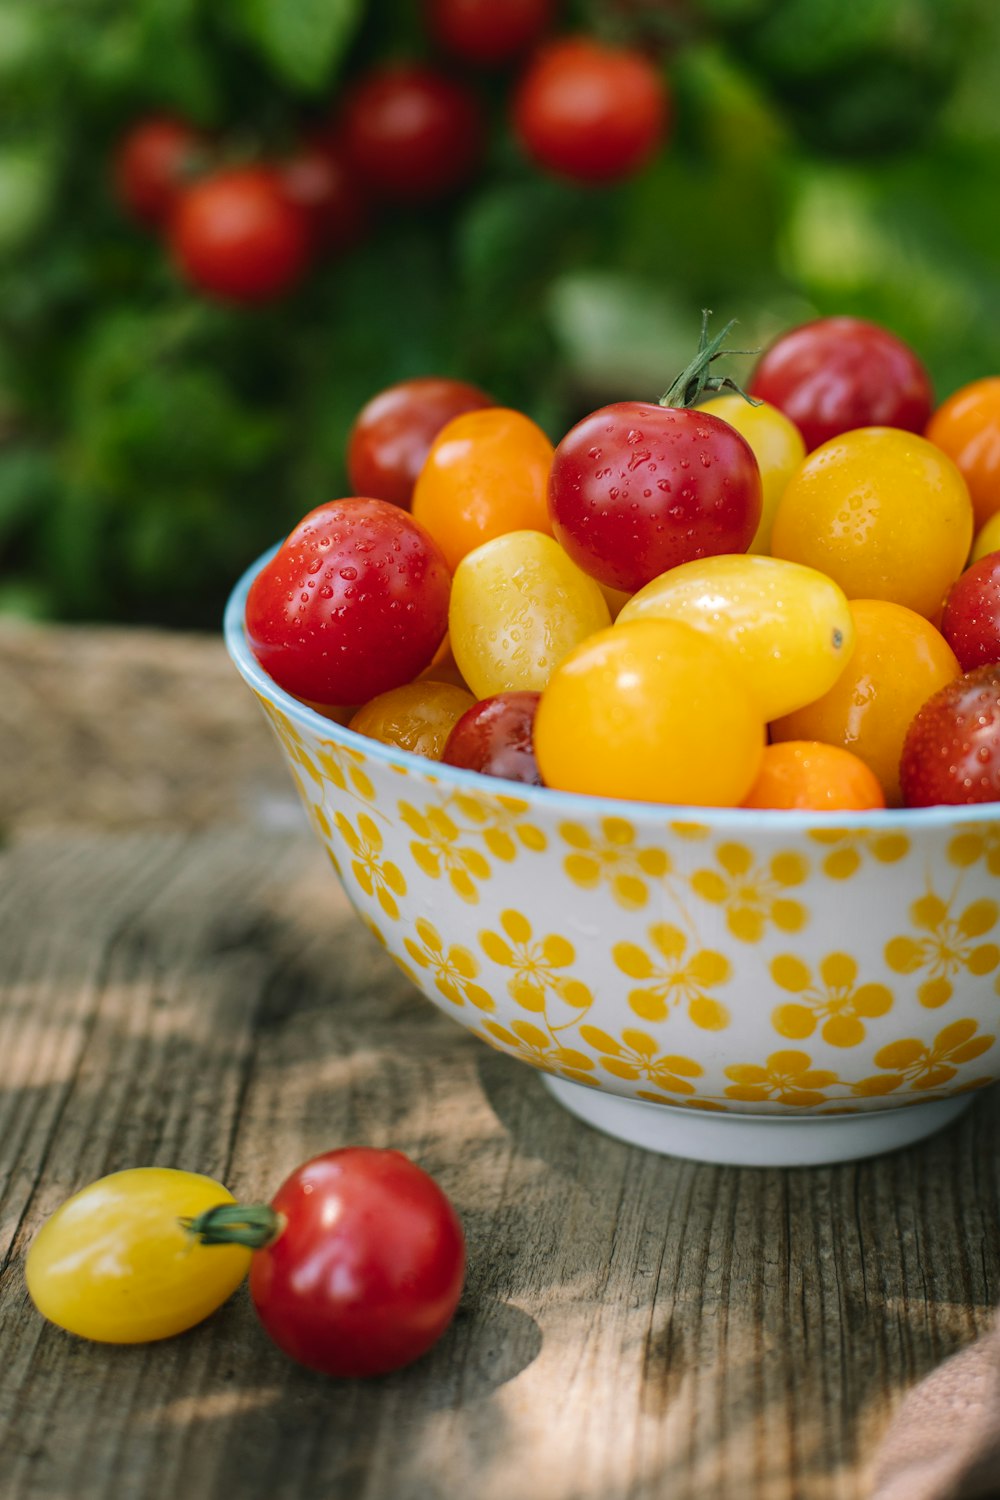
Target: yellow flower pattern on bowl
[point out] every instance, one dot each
(732, 963)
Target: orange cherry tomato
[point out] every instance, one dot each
(418, 717)
(807, 774)
(899, 660)
(651, 710)
(487, 473)
(967, 428)
(882, 512)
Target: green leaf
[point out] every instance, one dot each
(303, 40)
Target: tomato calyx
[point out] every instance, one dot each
(691, 385)
(255, 1225)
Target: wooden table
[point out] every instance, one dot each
(184, 985)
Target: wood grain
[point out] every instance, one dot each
(632, 1327)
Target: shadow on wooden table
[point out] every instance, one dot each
(632, 1325)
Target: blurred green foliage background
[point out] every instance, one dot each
(825, 156)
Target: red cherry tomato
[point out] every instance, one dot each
(319, 181)
(412, 134)
(951, 753)
(354, 603)
(487, 33)
(970, 622)
(590, 112)
(494, 738)
(237, 235)
(367, 1271)
(837, 374)
(637, 488)
(393, 433)
(152, 164)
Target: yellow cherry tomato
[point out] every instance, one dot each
(518, 605)
(650, 710)
(883, 512)
(987, 539)
(899, 661)
(115, 1264)
(487, 473)
(789, 626)
(418, 717)
(777, 446)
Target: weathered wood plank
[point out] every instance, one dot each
(113, 728)
(632, 1326)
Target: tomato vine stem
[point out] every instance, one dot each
(696, 379)
(254, 1225)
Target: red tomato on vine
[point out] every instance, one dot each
(411, 133)
(153, 163)
(320, 182)
(238, 236)
(488, 33)
(591, 112)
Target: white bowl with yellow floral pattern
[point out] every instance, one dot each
(758, 988)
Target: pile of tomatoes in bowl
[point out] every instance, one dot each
(788, 598)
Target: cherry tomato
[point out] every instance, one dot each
(970, 622)
(367, 1269)
(238, 236)
(392, 433)
(152, 165)
(353, 603)
(486, 473)
(487, 34)
(987, 538)
(417, 717)
(837, 374)
(952, 749)
(494, 737)
(638, 488)
(591, 112)
(115, 1264)
(882, 512)
(650, 710)
(319, 181)
(789, 628)
(412, 134)
(899, 660)
(806, 774)
(518, 605)
(967, 428)
(777, 446)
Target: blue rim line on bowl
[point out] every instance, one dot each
(762, 819)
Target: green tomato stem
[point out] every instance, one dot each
(696, 379)
(254, 1225)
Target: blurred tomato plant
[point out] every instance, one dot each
(820, 158)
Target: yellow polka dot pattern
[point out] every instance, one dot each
(831, 970)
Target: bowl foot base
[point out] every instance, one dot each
(745, 1140)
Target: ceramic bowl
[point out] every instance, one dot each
(762, 988)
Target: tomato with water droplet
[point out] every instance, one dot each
(637, 488)
(353, 603)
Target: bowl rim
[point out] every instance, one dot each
(573, 805)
